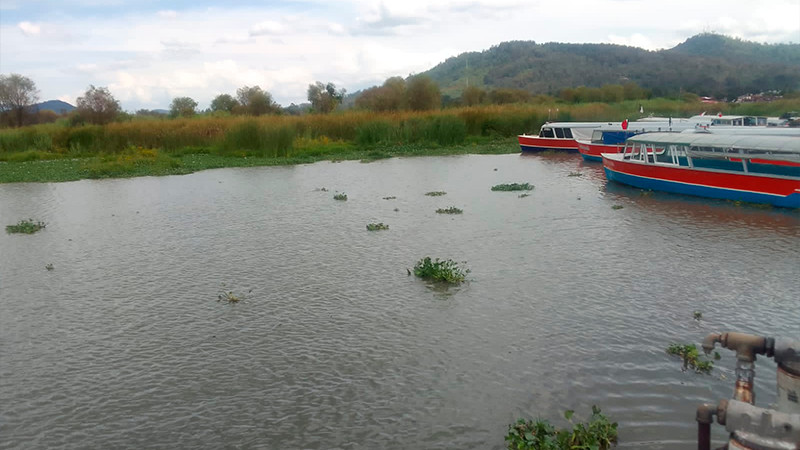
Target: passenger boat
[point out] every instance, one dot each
(755, 169)
(559, 136)
(611, 139)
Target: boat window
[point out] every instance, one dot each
(749, 121)
(559, 132)
(597, 136)
(547, 132)
(568, 133)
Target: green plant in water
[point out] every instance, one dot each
(617, 207)
(513, 187)
(575, 174)
(25, 226)
(450, 210)
(691, 358)
(523, 195)
(49, 266)
(389, 198)
(377, 226)
(697, 315)
(435, 193)
(446, 271)
(225, 295)
(598, 433)
(341, 196)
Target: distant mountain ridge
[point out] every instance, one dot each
(57, 106)
(706, 64)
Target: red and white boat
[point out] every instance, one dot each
(749, 168)
(559, 136)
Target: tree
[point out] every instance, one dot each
(255, 101)
(223, 102)
(98, 106)
(423, 93)
(17, 94)
(182, 107)
(472, 95)
(389, 97)
(324, 98)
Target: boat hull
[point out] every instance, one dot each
(535, 144)
(746, 187)
(591, 151)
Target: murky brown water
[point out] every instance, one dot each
(570, 303)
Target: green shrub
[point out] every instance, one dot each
(598, 434)
(446, 271)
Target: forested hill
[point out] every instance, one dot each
(706, 64)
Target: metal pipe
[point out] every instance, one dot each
(704, 417)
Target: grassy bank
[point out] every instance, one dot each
(155, 163)
(58, 152)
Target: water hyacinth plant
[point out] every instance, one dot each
(446, 271)
(25, 227)
(599, 433)
(691, 358)
(341, 196)
(450, 210)
(377, 226)
(513, 187)
(435, 193)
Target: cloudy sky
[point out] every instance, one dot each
(148, 51)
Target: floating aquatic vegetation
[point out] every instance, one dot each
(617, 207)
(446, 271)
(341, 196)
(435, 193)
(25, 227)
(450, 210)
(697, 315)
(389, 198)
(523, 195)
(49, 266)
(598, 433)
(229, 296)
(513, 187)
(691, 358)
(575, 174)
(322, 189)
(377, 226)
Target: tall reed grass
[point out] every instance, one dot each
(317, 134)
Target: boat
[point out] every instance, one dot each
(611, 139)
(748, 168)
(560, 136)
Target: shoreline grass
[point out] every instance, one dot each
(72, 167)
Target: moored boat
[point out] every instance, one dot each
(559, 136)
(611, 139)
(755, 169)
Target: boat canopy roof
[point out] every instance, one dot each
(790, 144)
(578, 124)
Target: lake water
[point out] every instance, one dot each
(569, 303)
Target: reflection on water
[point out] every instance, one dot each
(569, 303)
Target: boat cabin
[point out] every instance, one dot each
(740, 121)
(776, 155)
(570, 130)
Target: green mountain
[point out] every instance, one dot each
(706, 64)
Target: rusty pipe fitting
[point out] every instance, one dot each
(746, 346)
(704, 417)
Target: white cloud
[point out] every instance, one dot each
(267, 27)
(168, 14)
(30, 29)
